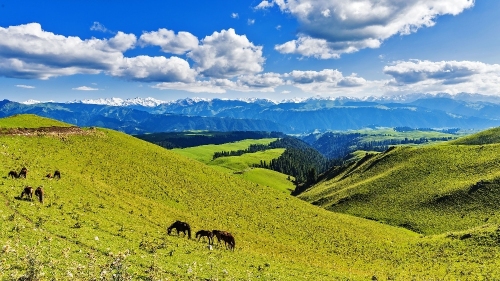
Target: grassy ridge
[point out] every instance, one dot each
(108, 214)
(30, 121)
(432, 189)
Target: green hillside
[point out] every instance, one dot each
(486, 137)
(432, 189)
(242, 166)
(29, 121)
(106, 219)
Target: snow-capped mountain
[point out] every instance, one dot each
(146, 102)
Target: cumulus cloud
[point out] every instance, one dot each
(443, 76)
(170, 42)
(27, 51)
(155, 69)
(25, 86)
(329, 28)
(85, 88)
(226, 54)
(235, 15)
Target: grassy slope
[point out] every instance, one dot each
(390, 133)
(117, 194)
(242, 165)
(428, 189)
(30, 121)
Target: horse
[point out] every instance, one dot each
(224, 236)
(39, 194)
(206, 233)
(49, 176)
(228, 239)
(28, 191)
(180, 227)
(57, 174)
(23, 173)
(13, 174)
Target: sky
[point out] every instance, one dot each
(275, 49)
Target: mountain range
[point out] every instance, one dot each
(138, 115)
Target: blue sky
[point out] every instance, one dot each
(276, 49)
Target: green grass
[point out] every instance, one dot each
(427, 189)
(29, 121)
(108, 213)
(486, 137)
(205, 153)
(242, 166)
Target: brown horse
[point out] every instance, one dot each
(39, 194)
(180, 227)
(13, 174)
(57, 174)
(28, 191)
(229, 240)
(206, 233)
(23, 173)
(226, 237)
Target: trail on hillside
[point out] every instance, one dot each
(53, 130)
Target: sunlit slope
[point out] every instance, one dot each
(490, 136)
(242, 165)
(108, 214)
(431, 189)
(29, 121)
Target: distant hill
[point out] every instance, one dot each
(106, 219)
(430, 189)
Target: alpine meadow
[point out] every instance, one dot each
(106, 218)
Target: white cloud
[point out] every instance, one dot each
(226, 54)
(250, 21)
(25, 86)
(97, 26)
(443, 76)
(329, 28)
(155, 69)
(169, 41)
(27, 51)
(235, 15)
(85, 88)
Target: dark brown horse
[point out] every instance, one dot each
(206, 233)
(226, 237)
(229, 240)
(39, 194)
(13, 174)
(57, 174)
(23, 173)
(180, 226)
(28, 191)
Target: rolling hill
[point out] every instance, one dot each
(106, 219)
(433, 189)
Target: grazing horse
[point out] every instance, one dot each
(23, 172)
(57, 174)
(39, 194)
(180, 226)
(13, 174)
(49, 176)
(206, 233)
(28, 191)
(226, 237)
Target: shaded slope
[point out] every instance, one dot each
(117, 194)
